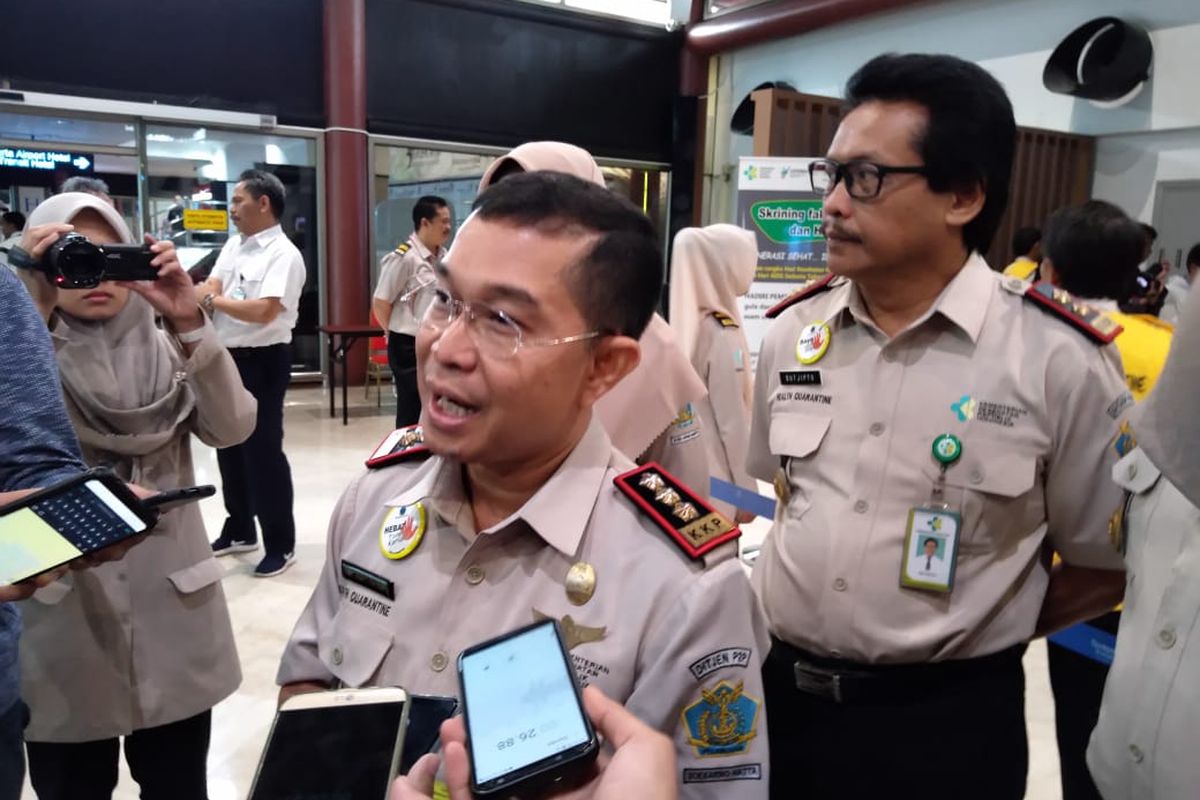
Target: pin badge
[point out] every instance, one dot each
(581, 583)
(402, 530)
(813, 342)
(947, 449)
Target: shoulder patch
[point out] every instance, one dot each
(403, 248)
(803, 293)
(402, 444)
(725, 320)
(1089, 321)
(690, 522)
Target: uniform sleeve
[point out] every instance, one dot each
(760, 461)
(1080, 494)
(731, 425)
(225, 412)
(301, 661)
(284, 276)
(387, 288)
(681, 451)
(700, 682)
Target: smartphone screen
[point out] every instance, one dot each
(61, 527)
(521, 701)
(337, 752)
(425, 717)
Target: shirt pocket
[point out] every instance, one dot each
(190, 580)
(994, 488)
(795, 437)
(353, 648)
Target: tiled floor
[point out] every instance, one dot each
(324, 457)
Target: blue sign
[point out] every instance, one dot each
(20, 158)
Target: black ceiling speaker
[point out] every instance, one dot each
(1105, 59)
(743, 118)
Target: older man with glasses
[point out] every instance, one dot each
(526, 511)
(916, 402)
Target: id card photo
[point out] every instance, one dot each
(930, 549)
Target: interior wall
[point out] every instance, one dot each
(1128, 167)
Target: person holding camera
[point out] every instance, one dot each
(143, 648)
(253, 296)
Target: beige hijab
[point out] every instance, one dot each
(118, 375)
(1166, 424)
(710, 269)
(640, 407)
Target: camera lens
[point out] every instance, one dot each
(78, 261)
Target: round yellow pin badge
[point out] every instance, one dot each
(402, 530)
(813, 342)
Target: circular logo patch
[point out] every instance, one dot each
(402, 530)
(947, 448)
(813, 342)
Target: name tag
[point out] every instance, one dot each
(368, 580)
(930, 549)
(800, 377)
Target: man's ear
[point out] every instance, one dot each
(966, 204)
(613, 357)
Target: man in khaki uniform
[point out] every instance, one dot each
(408, 266)
(527, 511)
(915, 394)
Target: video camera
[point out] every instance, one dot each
(74, 262)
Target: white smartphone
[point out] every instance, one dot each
(342, 744)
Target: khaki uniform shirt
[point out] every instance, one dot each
(400, 273)
(144, 641)
(682, 449)
(659, 629)
(1144, 745)
(720, 362)
(1034, 403)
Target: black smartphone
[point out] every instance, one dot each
(426, 713)
(527, 732)
(165, 501)
(339, 744)
(60, 523)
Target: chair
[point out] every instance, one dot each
(377, 368)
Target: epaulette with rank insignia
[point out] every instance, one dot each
(402, 444)
(689, 521)
(804, 292)
(725, 320)
(1091, 322)
(403, 248)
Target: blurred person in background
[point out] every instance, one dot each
(651, 414)
(141, 648)
(1027, 254)
(11, 224)
(82, 183)
(711, 268)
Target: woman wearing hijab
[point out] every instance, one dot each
(652, 414)
(710, 268)
(141, 648)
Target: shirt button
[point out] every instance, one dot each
(474, 575)
(337, 656)
(1136, 753)
(1166, 638)
(861, 506)
(835, 653)
(840, 585)
(976, 476)
(877, 429)
(889, 356)
(439, 661)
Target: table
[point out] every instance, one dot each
(339, 339)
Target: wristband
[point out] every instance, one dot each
(21, 259)
(190, 337)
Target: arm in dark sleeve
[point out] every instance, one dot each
(37, 444)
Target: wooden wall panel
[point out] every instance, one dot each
(1050, 169)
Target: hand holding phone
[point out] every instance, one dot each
(642, 763)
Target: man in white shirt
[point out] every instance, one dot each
(253, 296)
(408, 266)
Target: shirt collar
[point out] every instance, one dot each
(558, 512)
(424, 252)
(964, 301)
(263, 237)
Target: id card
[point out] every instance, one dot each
(930, 549)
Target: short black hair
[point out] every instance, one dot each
(15, 218)
(928, 540)
(971, 135)
(427, 207)
(1150, 232)
(1193, 256)
(617, 284)
(1095, 249)
(1025, 239)
(260, 182)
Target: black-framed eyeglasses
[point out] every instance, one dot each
(864, 179)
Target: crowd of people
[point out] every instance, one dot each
(962, 459)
